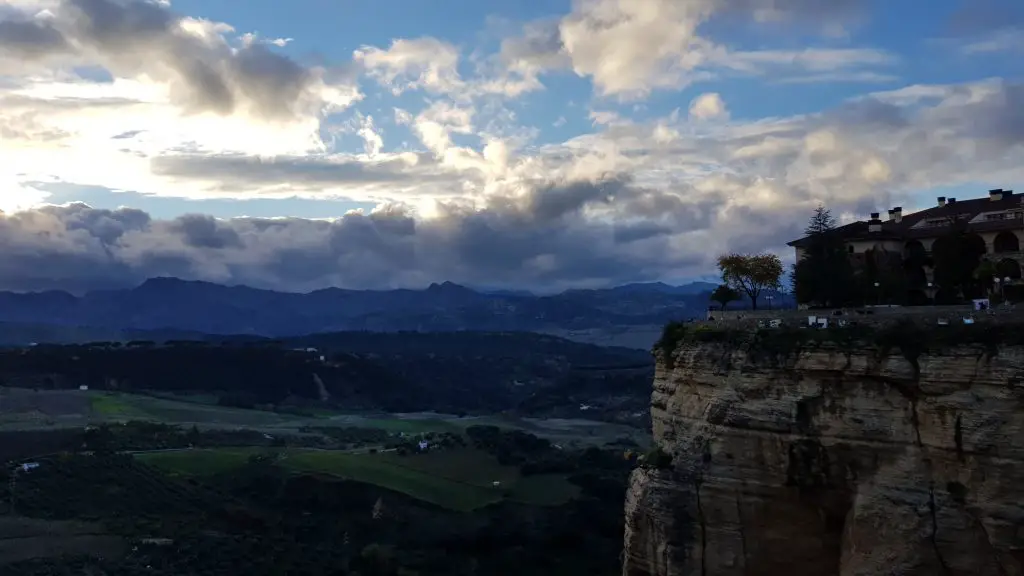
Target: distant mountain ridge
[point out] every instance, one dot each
(203, 307)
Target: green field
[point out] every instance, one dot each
(199, 462)
(113, 405)
(455, 479)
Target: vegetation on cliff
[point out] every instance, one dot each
(911, 338)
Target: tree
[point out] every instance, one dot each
(724, 294)
(751, 273)
(824, 275)
(957, 255)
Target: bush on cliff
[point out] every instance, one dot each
(671, 336)
(657, 459)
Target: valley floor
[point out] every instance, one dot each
(28, 409)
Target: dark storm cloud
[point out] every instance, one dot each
(137, 37)
(199, 231)
(31, 39)
(540, 239)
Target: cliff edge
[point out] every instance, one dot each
(847, 451)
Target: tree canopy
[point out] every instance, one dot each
(824, 275)
(724, 294)
(751, 273)
(957, 255)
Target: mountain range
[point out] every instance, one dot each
(171, 304)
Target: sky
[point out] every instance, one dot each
(516, 144)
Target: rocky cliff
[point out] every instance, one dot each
(844, 452)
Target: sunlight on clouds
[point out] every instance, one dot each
(15, 197)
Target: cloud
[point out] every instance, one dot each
(539, 238)
(986, 27)
(193, 58)
(708, 106)
(616, 206)
(426, 63)
(372, 140)
(127, 95)
(1007, 40)
(630, 49)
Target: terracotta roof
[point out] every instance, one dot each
(903, 230)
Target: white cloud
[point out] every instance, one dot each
(372, 140)
(407, 64)
(630, 49)
(708, 106)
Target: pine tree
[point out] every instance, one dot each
(824, 275)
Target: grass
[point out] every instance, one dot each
(112, 404)
(461, 480)
(198, 462)
(381, 471)
(124, 406)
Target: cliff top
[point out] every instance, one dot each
(911, 336)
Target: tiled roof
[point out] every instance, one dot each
(904, 229)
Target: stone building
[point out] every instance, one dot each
(995, 222)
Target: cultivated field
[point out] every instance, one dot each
(460, 479)
(26, 409)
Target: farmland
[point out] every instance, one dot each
(461, 479)
(27, 409)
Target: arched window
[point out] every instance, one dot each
(1006, 242)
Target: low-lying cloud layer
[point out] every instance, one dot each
(129, 95)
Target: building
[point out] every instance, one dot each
(996, 221)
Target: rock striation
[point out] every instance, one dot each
(806, 453)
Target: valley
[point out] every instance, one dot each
(179, 456)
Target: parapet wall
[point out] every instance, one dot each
(869, 316)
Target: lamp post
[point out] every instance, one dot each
(999, 286)
(878, 294)
(769, 298)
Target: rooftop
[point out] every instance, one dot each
(983, 215)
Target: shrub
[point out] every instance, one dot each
(657, 459)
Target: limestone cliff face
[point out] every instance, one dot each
(832, 460)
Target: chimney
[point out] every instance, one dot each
(995, 195)
(891, 214)
(874, 225)
(952, 200)
(897, 214)
(942, 201)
